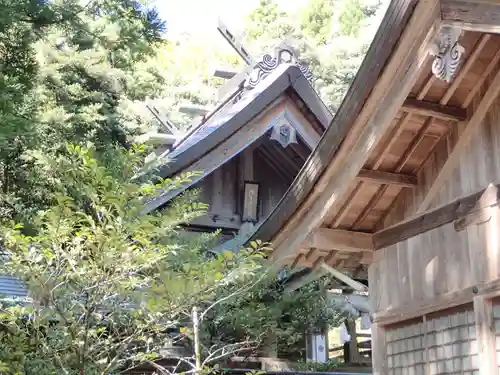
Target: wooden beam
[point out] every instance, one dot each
(339, 239)
(446, 301)
(379, 350)
(473, 15)
(444, 112)
(470, 130)
(486, 335)
(437, 217)
(356, 285)
(400, 74)
(309, 278)
(388, 178)
(353, 344)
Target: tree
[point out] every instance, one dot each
(331, 36)
(107, 282)
(270, 315)
(65, 67)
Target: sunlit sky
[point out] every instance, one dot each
(200, 16)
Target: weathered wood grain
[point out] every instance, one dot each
(473, 15)
(387, 97)
(339, 239)
(470, 130)
(386, 38)
(438, 217)
(486, 335)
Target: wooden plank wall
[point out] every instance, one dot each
(272, 186)
(435, 263)
(426, 269)
(443, 260)
(222, 190)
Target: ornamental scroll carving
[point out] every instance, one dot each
(283, 54)
(447, 52)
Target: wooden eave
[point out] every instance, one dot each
(287, 91)
(284, 79)
(394, 119)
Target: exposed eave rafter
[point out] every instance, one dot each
(399, 76)
(454, 156)
(436, 110)
(339, 239)
(389, 178)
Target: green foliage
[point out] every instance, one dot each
(316, 20)
(107, 282)
(330, 35)
(313, 366)
(63, 77)
(270, 314)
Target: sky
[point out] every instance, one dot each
(200, 16)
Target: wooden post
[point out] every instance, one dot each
(217, 191)
(379, 350)
(485, 328)
(196, 334)
(247, 164)
(354, 356)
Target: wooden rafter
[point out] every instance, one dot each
(344, 209)
(456, 83)
(444, 112)
(394, 135)
(294, 285)
(485, 74)
(356, 285)
(339, 239)
(443, 101)
(470, 129)
(399, 76)
(388, 178)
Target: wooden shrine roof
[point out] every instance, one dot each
(286, 81)
(391, 123)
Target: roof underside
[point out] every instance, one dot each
(430, 118)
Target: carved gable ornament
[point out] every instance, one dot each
(282, 54)
(283, 132)
(447, 52)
